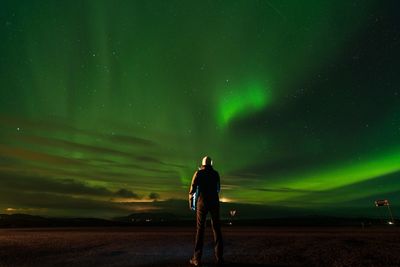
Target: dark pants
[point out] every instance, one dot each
(202, 211)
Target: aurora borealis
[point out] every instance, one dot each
(107, 107)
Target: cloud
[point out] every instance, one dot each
(133, 140)
(73, 146)
(154, 196)
(60, 197)
(25, 154)
(125, 193)
(66, 186)
(15, 143)
(33, 199)
(55, 126)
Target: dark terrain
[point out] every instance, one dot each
(172, 246)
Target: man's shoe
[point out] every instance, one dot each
(194, 262)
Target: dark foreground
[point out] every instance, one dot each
(168, 246)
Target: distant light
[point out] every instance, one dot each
(390, 222)
(10, 209)
(232, 212)
(224, 199)
(382, 202)
(131, 200)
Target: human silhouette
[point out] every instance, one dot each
(204, 198)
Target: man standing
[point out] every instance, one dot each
(203, 198)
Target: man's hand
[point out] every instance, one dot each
(191, 199)
(192, 202)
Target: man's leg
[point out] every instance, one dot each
(200, 225)
(216, 226)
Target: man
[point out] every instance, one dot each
(203, 198)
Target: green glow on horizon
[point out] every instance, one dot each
(344, 175)
(329, 179)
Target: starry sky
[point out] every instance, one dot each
(107, 107)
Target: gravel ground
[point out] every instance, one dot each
(169, 246)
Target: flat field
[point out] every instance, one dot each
(173, 246)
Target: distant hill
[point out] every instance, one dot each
(170, 219)
(25, 220)
(147, 217)
(21, 220)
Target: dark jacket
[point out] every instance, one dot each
(205, 187)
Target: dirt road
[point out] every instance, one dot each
(169, 246)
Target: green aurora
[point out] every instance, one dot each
(107, 107)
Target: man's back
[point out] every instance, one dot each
(208, 183)
(208, 186)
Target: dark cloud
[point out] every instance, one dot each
(34, 156)
(154, 196)
(76, 187)
(60, 186)
(125, 193)
(59, 196)
(73, 146)
(55, 126)
(39, 184)
(58, 204)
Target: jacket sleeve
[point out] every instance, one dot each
(192, 191)
(218, 183)
(193, 186)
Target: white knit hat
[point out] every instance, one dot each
(206, 161)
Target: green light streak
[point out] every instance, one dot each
(348, 174)
(242, 102)
(325, 181)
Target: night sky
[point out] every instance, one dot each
(107, 107)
